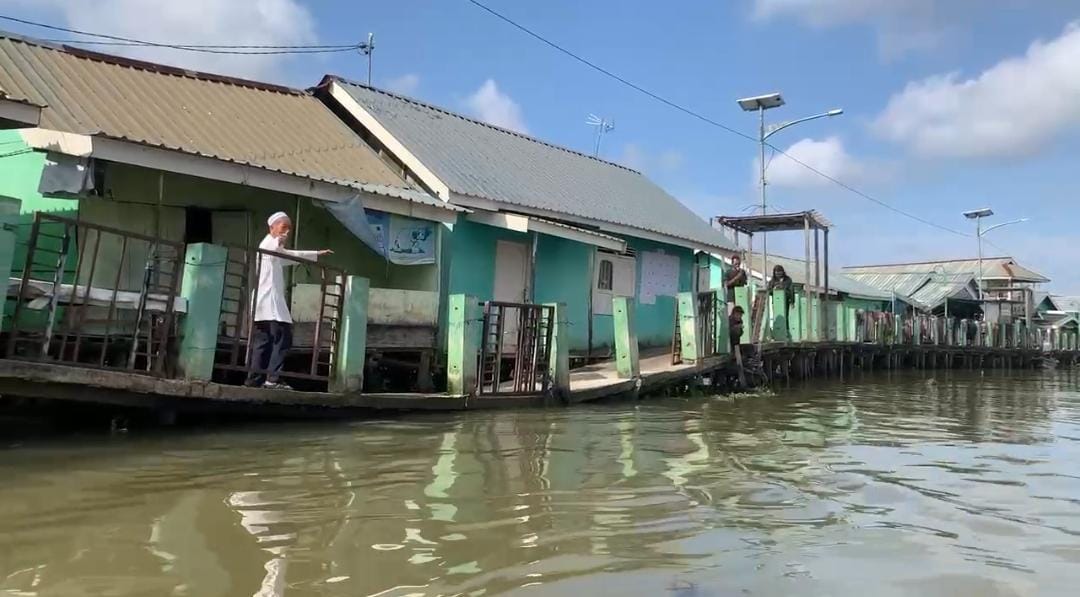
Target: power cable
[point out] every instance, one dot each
(207, 49)
(701, 117)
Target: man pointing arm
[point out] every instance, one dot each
(272, 336)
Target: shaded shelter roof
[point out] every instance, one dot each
(473, 159)
(265, 126)
(784, 222)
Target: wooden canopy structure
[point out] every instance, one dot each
(814, 226)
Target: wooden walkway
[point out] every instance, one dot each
(74, 384)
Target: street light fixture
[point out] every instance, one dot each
(978, 215)
(759, 104)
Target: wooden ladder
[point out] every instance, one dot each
(757, 315)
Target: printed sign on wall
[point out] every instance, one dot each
(659, 276)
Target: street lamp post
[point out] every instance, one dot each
(759, 104)
(978, 215)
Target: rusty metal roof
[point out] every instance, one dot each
(267, 126)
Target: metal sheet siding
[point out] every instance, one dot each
(480, 160)
(284, 130)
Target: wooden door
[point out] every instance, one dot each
(511, 281)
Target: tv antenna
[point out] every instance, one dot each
(367, 48)
(602, 125)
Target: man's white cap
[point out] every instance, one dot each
(276, 217)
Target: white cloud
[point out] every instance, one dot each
(1012, 108)
(233, 22)
(495, 107)
(670, 160)
(636, 157)
(902, 26)
(406, 84)
(828, 156)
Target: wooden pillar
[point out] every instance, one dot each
(203, 286)
(464, 325)
(352, 339)
(742, 299)
(559, 353)
(808, 282)
(779, 324)
(722, 327)
(627, 363)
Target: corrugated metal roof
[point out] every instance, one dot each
(924, 290)
(1067, 303)
(480, 160)
(838, 282)
(245, 122)
(994, 268)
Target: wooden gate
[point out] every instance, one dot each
(96, 296)
(239, 302)
(515, 348)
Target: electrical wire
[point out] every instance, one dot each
(206, 49)
(702, 117)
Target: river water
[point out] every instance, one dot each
(908, 485)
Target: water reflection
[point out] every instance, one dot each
(918, 483)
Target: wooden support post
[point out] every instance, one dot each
(779, 323)
(203, 286)
(352, 339)
(627, 363)
(688, 327)
(559, 352)
(463, 343)
(722, 327)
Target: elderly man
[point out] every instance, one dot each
(272, 336)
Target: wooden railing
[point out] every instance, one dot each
(316, 329)
(96, 296)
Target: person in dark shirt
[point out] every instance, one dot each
(734, 277)
(781, 281)
(735, 326)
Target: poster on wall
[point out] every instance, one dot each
(410, 241)
(659, 276)
(379, 222)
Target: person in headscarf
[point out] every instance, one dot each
(781, 281)
(272, 333)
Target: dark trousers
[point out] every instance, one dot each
(271, 342)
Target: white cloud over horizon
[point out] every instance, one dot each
(636, 157)
(406, 84)
(252, 22)
(901, 26)
(493, 106)
(1012, 108)
(828, 155)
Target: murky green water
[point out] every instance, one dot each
(967, 485)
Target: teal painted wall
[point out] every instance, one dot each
(656, 322)
(866, 304)
(20, 171)
(563, 273)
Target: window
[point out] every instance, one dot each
(604, 280)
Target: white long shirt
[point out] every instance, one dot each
(270, 304)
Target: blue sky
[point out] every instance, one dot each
(949, 104)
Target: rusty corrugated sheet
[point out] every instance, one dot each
(272, 127)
